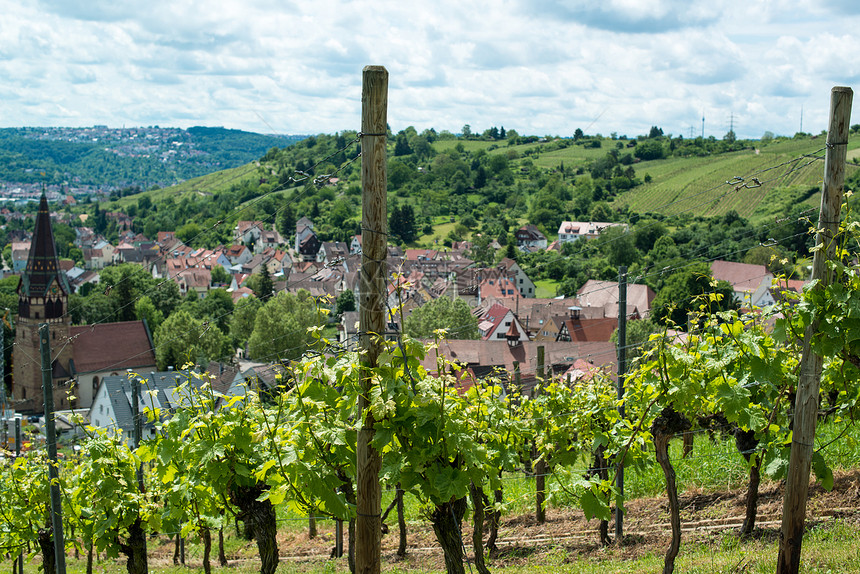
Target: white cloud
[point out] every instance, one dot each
(538, 67)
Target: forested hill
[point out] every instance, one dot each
(102, 158)
(740, 200)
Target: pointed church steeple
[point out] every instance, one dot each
(43, 283)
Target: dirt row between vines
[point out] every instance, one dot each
(704, 515)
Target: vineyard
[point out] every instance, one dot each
(449, 442)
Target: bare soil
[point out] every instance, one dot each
(704, 515)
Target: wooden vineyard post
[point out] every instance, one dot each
(374, 235)
(622, 374)
(541, 466)
(808, 386)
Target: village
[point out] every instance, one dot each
(92, 365)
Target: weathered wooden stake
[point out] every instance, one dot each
(808, 387)
(374, 235)
(540, 464)
(622, 370)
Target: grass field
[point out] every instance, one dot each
(828, 548)
(210, 183)
(545, 288)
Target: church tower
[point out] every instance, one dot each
(43, 295)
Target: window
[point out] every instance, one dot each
(507, 323)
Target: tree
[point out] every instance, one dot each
(649, 150)
(165, 296)
(442, 313)
(124, 284)
(686, 291)
(401, 223)
(188, 232)
(263, 287)
(345, 302)
(144, 310)
(577, 134)
(220, 275)
(467, 131)
(401, 145)
(100, 220)
(281, 328)
(218, 305)
(243, 318)
(183, 339)
(285, 221)
(94, 308)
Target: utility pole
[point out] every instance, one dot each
(622, 373)
(51, 440)
(374, 230)
(540, 464)
(808, 386)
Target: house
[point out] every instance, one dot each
(238, 255)
(99, 256)
(260, 377)
(537, 315)
(84, 237)
(750, 283)
(498, 323)
(269, 239)
(193, 279)
(570, 231)
(355, 245)
(107, 349)
(304, 227)
(143, 253)
(280, 263)
(20, 253)
(331, 251)
(112, 408)
(530, 236)
(604, 294)
(580, 328)
(166, 240)
(248, 232)
(524, 284)
(421, 254)
(498, 358)
(309, 247)
(501, 288)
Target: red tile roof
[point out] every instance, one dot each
(112, 347)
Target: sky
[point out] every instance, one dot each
(541, 67)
